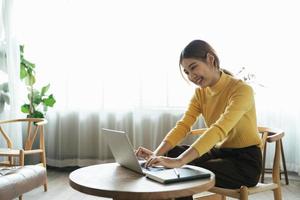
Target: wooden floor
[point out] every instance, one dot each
(58, 188)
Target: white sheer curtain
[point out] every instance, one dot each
(115, 64)
(9, 70)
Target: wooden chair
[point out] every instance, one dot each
(270, 136)
(269, 170)
(35, 129)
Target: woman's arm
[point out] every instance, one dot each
(162, 149)
(183, 126)
(189, 155)
(144, 153)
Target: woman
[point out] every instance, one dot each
(230, 146)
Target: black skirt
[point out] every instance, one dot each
(232, 167)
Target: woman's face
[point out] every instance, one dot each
(202, 74)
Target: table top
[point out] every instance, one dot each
(113, 181)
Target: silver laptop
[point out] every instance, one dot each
(123, 152)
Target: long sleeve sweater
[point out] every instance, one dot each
(228, 110)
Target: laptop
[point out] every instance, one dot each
(123, 153)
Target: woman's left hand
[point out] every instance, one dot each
(163, 161)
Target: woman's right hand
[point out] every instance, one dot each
(144, 153)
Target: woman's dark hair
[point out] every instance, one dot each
(198, 49)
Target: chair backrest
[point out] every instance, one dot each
(269, 135)
(34, 126)
(272, 135)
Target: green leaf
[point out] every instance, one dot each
(23, 72)
(45, 89)
(25, 108)
(36, 114)
(30, 71)
(36, 97)
(50, 101)
(28, 63)
(30, 80)
(37, 100)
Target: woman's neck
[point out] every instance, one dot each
(216, 77)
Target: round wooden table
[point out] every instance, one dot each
(113, 181)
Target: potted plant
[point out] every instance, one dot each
(38, 100)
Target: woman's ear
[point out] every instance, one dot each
(210, 59)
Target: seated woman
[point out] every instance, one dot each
(230, 146)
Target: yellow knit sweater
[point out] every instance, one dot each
(228, 110)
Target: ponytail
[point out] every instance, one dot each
(227, 72)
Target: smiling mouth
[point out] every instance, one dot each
(199, 80)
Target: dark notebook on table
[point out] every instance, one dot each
(178, 175)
